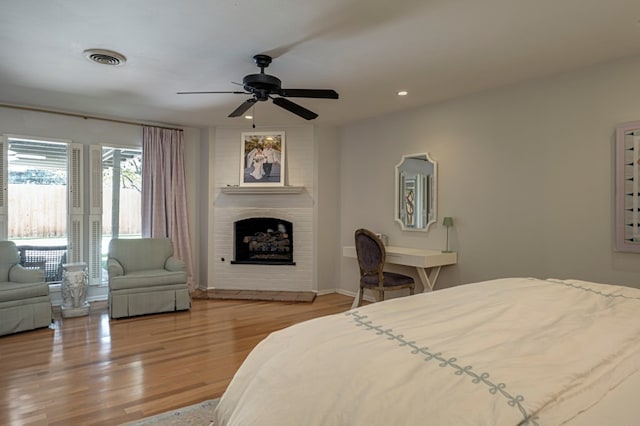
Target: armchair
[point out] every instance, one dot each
(25, 303)
(145, 278)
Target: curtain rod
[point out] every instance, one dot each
(85, 116)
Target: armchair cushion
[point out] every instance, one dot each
(10, 291)
(8, 258)
(20, 274)
(175, 264)
(150, 278)
(114, 268)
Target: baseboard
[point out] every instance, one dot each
(276, 296)
(353, 294)
(346, 292)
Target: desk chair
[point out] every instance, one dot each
(371, 258)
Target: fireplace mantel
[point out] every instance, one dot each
(253, 190)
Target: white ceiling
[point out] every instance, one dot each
(366, 50)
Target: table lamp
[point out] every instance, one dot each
(448, 223)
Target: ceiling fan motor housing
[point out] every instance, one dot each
(261, 85)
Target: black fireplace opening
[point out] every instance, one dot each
(263, 241)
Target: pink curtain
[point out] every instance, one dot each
(164, 198)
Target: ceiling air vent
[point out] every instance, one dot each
(105, 57)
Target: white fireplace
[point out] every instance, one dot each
(294, 207)
(297, 276)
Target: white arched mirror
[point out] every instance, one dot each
(416, 192)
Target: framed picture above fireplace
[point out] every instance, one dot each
(262, 159)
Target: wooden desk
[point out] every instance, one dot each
(426, 262)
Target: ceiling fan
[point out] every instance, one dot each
(264, 86)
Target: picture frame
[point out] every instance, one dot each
(262, 159)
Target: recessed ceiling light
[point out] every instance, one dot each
(105, 57)
(402, 93)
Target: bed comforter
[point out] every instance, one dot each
(503, 352)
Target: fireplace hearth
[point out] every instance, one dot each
(263, 241)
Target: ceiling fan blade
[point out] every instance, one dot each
(295, 108)
(309, 93)
(200, 93)
(244, 107)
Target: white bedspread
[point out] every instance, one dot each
(503, 352)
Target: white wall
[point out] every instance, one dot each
(526, 172)
(206, 217)
(327, 229)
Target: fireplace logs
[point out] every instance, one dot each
(263, 241)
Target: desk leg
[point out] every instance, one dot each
(428, 279)
(355, 301)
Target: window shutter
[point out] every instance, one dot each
(95, 179)
(76, 210)
(95, 214)
(75, 179)
(3, 175)
(74, 250)
(95, 250)
(4, 178)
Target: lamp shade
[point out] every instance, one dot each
(448, 221)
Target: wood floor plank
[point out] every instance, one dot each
(92, 370)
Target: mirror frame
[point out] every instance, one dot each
(434, 192)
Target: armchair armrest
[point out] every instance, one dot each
(174, 264)
(20, 274)
(114, 268)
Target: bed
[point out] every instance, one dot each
(515, 351)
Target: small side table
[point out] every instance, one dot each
(74, 290)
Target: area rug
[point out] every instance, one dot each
(196, 414)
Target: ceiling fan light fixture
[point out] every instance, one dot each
(105, 57)
(402, 93)
(263, 87)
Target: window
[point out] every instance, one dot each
(122, 189)
(42, 204)
(36, 211)
(118, 212)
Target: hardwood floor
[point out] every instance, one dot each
(92, 370)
